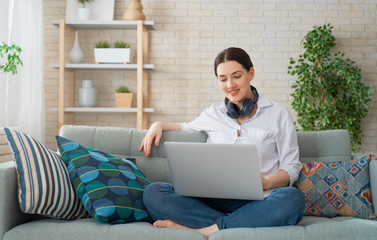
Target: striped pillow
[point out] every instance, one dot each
(44, 184)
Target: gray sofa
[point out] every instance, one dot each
(331, 145)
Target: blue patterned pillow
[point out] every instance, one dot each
(44, 186)
(337, 188)
(110, 188)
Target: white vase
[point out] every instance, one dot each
(83, 14)
(87, 94)
(76, 55)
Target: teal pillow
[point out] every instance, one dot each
(44, 187)
(110, 188)
(337, 188)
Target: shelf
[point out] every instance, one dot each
(93, 66)
(140, 67)
(106, 25)
(102, 109)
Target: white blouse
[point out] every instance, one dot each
(271, 129)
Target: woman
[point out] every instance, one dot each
(245, 117)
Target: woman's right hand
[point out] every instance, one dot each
(154, 133)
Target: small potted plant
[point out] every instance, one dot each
(84, 13)
(119, 53)
(124, 96)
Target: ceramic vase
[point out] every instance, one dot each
(83, 14)
(87, 94)
(76, 55)
(134, 11)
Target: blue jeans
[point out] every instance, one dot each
(284, 206)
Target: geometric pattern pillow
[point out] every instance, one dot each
(337, 188)
(44, 186)
(110, 188)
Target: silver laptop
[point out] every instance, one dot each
(215, 170)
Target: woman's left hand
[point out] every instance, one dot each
(279, 179)
(266, 183)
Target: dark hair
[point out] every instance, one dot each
(234, 54)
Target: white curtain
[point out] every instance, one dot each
(22, 105)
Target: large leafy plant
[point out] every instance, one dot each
(329, 92)
(10, 58)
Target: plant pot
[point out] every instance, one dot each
(83, 14)
(112, 55)
(124, 100)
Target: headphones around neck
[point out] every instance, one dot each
(234, 111)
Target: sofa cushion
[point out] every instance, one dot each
(318, 146)
(44, 184)
(310, 228)
(110, 188)
(125, 141)
(339, 188)
(88, 228)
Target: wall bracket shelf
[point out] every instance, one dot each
(103, 110)
(93, 66)
(106, 25)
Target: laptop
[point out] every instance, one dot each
(215, 170)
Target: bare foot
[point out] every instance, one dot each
(168, 224)
(207, 231)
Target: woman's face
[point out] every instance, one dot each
(234, 80)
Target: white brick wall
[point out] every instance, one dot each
(190, 33)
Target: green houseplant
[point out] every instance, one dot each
(102, 44)
(121, 44)
(84, 1)
(329, 92)
(123, 89)
(119, 52)
(10, 58)
(124, 96)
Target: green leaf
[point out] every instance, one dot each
(12, 53)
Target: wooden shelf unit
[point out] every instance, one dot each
(141, 67)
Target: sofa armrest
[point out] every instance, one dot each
(10, 214)
(373, 182)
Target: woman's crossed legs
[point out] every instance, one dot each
(284, 206)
